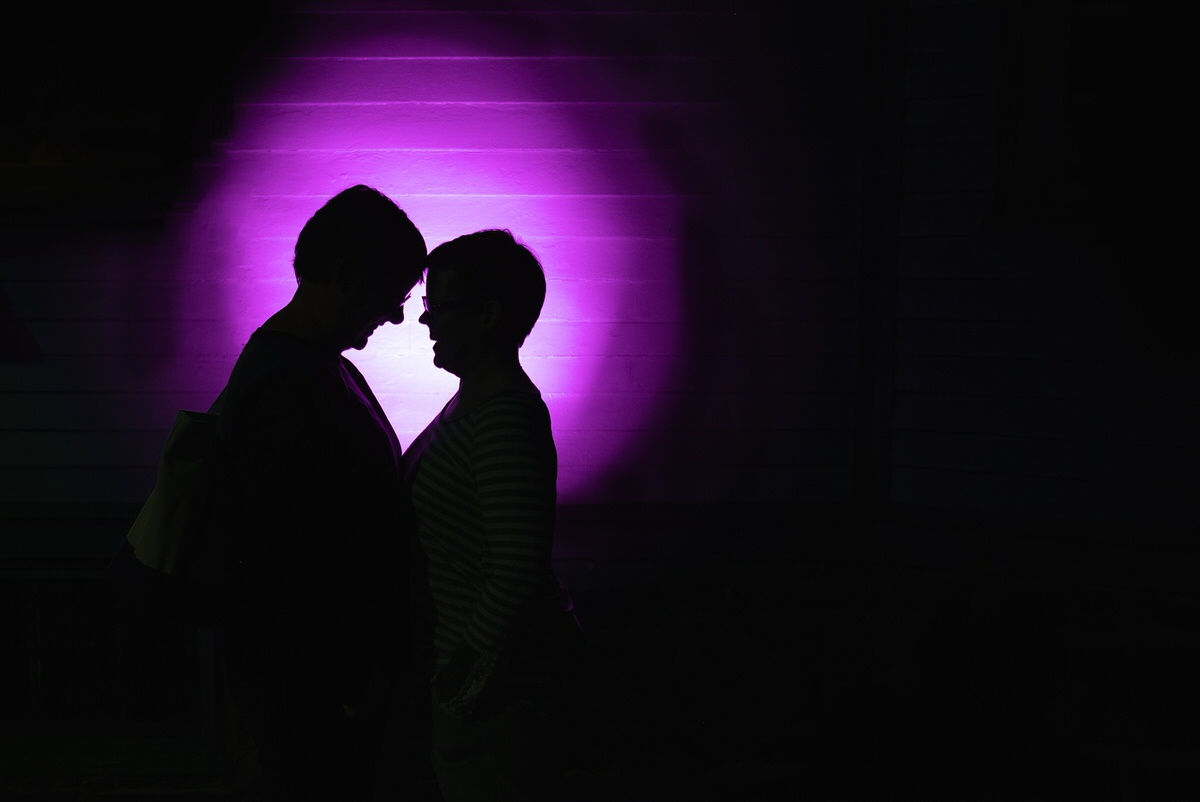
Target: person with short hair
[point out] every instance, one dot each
(503, 643)
(318, 557)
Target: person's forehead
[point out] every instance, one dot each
(444, 280)
(394, 283)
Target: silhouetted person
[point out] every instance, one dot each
(316, 477)
(481, 485)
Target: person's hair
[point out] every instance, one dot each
(360, 233)
(493, 266)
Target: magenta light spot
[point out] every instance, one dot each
(483, 151)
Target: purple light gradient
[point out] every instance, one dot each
(602, 220)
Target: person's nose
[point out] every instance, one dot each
(424, 318)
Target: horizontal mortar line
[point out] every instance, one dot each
(699, 428)
(157, 283)
(99, 466)
(1146, 402)
(1105, 396)
(504, 150)
(68, 430)
(1010, 280)
(549, 103)
(544, 238)
(946, 291)
(945, 193)
(547, 12)
(959, 431)
(744, 394)
(984, 93)
(1041, 477)
(746, 463)
(107, 279)
(1094, 322)
(632, 195)
(99, 392)
(501, 195)
(1090, 361)
(534, 57)
(930, 58)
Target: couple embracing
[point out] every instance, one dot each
(386, 589)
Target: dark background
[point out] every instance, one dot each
(998, 599)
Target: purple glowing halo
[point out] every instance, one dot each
(602, 221)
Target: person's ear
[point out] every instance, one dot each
(489, 314)
(347, 280)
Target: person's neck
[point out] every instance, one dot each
(307, 318)
(488, 380)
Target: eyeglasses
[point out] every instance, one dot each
(437, 307)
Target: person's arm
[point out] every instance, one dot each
(515, 470)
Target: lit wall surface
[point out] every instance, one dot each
(689, 180)
(463, 136)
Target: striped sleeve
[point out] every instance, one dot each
(515, 471)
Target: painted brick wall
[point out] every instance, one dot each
(1027, 383)
(693, 180)
(1016, 377)
(688, 177)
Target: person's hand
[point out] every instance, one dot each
(460, 683)
(451, 677)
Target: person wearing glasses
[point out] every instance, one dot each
(316, 472)
(504, 647)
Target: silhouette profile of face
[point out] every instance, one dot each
(455, 324)
(370, 304)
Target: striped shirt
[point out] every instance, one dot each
(482, 489)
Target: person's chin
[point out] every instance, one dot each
(439, 362)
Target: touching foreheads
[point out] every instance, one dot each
(493, 266)
(358, 234)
